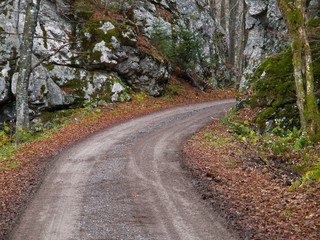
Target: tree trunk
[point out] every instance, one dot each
(223, 20)
(233, 14)
(311, 110)
(25, 65)
(298, 76)
(241, 44)
(294, 14)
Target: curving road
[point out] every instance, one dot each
(126, 183)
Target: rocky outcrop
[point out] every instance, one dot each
(254, 29)
(266, 34)
(194, 16)
(81, 58)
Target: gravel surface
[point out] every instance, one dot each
(126, 183)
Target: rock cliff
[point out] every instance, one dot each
(254, 30)
(85, 52)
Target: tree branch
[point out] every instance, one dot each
(49, 56)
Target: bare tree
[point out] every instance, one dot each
(25, 64)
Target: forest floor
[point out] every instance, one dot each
(252, 196)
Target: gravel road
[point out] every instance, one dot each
(126, 182)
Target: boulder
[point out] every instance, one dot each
(88, 86)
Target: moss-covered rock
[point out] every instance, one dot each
(101, 41)
(89, 86)
(274, 92)
(96, 41)
(72, 81)
(106, 87)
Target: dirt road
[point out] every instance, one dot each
(127, 183)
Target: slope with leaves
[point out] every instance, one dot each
(251, 186)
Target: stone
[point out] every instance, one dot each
(4, 83)
(56, 98)
(106, 54)
(256, 7)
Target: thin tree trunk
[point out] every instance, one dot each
(299, 81)
(239, 57)
(223, 20)
(233, 17)
(311, 109)
(294, 14)
(25, 65)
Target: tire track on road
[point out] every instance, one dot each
(126, 183)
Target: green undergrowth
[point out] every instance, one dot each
(174, 90)
(7, 161)
(6, 149)
(272, 129)
(41, 128)
(218, 142)
(286, 149)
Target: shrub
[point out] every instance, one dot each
(5, 135)
(83, 9)
(181, 46)
(162, 39)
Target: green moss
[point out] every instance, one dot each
(77, 87)
(95, 56)
(2, 37)
(50, 67)
(153, 55)
(75, 83)
(314, 22)
(111, 33)
(274, 91)
(103, 93)
(295, 18)
(56, 118)
(128, 33)
(120, 31)
(93, 29)
(174, 89)
(274, 80)
(265, 114)
(315, 46)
